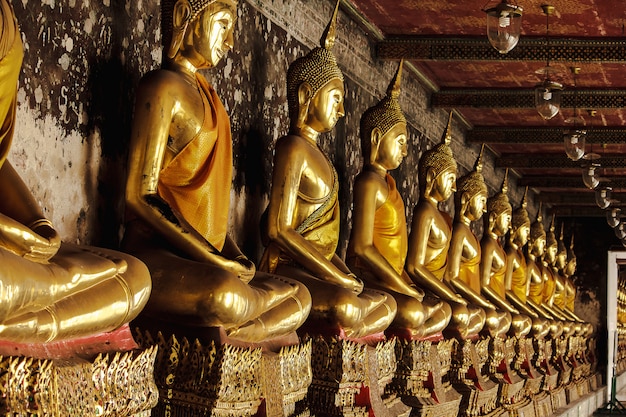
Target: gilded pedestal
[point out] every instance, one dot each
(351, 379)
(422, 379)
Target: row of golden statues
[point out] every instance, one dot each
(184, 272)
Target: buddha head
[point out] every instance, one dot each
(470, 198)
(552, 246)
(383, 129)
(437, 169)
(315, 90)
(200, 31)
(499, 210)
(561, 254)
(570, 266)
(537, 241)
(520, 223)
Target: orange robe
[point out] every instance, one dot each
(198, 179)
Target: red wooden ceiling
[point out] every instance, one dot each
(575, 19)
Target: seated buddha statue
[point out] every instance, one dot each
(559, 297)
(51, 291)
(378, 240)
(570, 291)
(463, 270)
(516, 280)
(429, 239)
(303, 212)
(493, 262)
(178, 188)
(536, 272)
(549, 282)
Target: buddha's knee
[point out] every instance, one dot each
(411, 313)
(136, 279)
(460, 316)
(348, 307)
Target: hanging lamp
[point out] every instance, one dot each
(575, 137)
(548, 92)
(504, 25)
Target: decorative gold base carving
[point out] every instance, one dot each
(559, 399)
(524, 408)
(543, 405)
(421, 379)
(111, 385)
(286, 377)
(350, 379)
(571, 392)
(197, 380)
(479, 394)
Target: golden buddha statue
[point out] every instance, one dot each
(517, 282)
(559, 299)
(429, 240)
(51, 290)
(379, 239)
(535, 251)
(303, 212)
(463, 270)
(178, 187)
(549, 281)
(493, 263)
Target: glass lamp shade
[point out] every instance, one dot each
(548, 98)
(590, 177)
(574, 141)
(613, 216)
(603, 197)
(620, 231)
(504, 23)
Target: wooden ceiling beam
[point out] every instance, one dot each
(542, 135)
(477, 48)
(525, 98)
(545, 182)
(547, 161)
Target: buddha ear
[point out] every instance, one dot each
(305, 94)
(464, 200)
(375, 139)
(181, 15)
(430, 177)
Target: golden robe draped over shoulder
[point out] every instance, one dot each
(390, 234)
(519, 278)
(469, 272)
(321, 229)
(10, 66)
(198, 179)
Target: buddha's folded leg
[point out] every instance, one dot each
(104, 307)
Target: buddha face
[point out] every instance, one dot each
(392, 147)
(539, 246)
(326, 107)
(561, 259)
(502, 223)
(570, 268)
(212, 34)
(444, 185)
(477, 206)
(521, 234)
(550, 254)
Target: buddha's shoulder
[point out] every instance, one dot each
(161, 78)
(294, 144)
